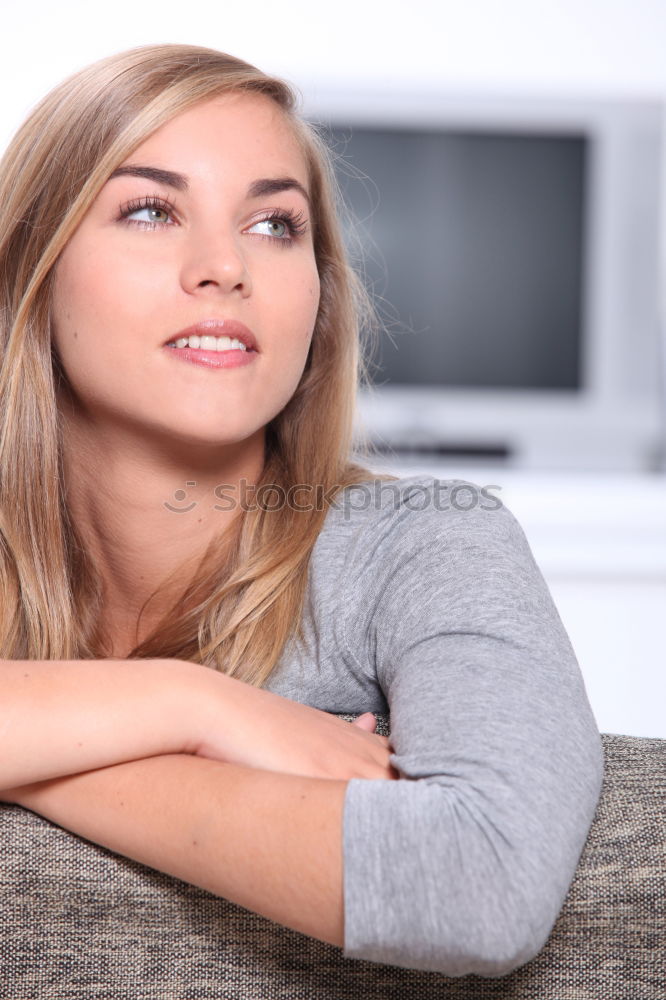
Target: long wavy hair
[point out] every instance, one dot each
(246, 597)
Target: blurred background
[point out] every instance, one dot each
(505, 170)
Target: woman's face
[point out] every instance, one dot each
(231, 242)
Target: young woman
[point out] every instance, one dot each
(195, 575)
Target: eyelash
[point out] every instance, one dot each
(294, 221)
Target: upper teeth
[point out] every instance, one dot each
(209, 343)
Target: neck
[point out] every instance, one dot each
(145, 513)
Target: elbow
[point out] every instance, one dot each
(469, 894)
(491, 944)
(502, 910)
(495, 955)
(489, 930)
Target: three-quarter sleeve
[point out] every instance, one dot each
(463, 864)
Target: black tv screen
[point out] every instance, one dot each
(473, 246)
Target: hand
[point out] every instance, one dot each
(242, 724)
(366, 721)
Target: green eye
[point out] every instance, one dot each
(151, 205)
(274, 227)
(148, 209)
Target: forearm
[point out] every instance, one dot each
(268, 841)
(61, 717)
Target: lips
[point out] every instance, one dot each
(219, 328)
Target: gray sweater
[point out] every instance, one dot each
(424, 600)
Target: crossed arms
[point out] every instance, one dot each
(228, 787)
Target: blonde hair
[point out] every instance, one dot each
(246, 597)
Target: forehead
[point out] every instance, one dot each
(230, 132)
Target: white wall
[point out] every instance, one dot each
(547, 46)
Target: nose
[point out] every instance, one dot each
(216, 259)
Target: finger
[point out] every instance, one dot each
(366, 721)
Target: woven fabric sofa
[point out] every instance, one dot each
(79, 921)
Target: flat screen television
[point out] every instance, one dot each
(514, 249)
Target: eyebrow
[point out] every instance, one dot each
(273, 185)
(258, 189)
(168, 177)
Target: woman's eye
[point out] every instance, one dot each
(272, 227)
(152, 212)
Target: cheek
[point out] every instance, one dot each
(99, 286)
(78, 287)
(310, 311)
(310, 293)
(314, 291)
(301, 307)
(65, 317)
(290, 303)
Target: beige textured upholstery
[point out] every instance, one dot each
(81, 922)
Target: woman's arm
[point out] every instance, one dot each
(270, 842)
(60, 717)
(463, 867)
(63, 716)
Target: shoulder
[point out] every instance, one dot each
(421, 508)
(419, 538)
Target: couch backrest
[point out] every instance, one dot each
(81, 922)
